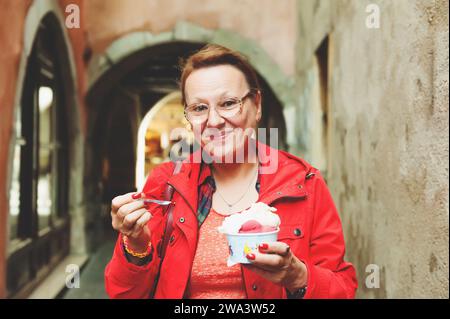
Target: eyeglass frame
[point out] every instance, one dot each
(240, 102)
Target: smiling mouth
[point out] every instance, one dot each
(219, 137)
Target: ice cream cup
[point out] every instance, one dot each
(242, 244)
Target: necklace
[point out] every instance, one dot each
(230, 205)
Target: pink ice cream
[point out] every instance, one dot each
(259, 218)
(253, 226)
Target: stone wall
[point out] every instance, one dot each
(387, 159)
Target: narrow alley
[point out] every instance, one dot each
(90, 94)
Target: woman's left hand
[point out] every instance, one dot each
(276, 262)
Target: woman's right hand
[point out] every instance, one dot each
(130, 217)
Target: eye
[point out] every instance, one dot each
(229, 103)
(199, 108)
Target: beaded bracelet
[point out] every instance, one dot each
(134, 253)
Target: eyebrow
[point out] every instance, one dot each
(202, 100)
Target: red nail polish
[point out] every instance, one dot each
(263, 246)
(250, 256)
(136, 195)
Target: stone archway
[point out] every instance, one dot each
(134, 42)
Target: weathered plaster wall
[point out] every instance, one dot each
(11, 34)
(270, 23)
(388, 157)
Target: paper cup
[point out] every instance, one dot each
(241, 244)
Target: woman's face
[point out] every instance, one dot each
(222, 137)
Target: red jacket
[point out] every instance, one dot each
(310, 225)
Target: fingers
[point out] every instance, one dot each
(126, 209)
(277, 247)
(142, 221)
(130, 219)
(269, 262)
(276, 262)
(137, 195)
(271, 257)
(138, 227)
(121, 200)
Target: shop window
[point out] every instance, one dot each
(39, 222)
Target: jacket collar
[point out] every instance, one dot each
(285, 179)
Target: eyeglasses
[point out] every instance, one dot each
(198, 113)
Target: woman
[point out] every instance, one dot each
(222, 99)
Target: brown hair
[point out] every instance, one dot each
(212, 55)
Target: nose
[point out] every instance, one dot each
(214, 119)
